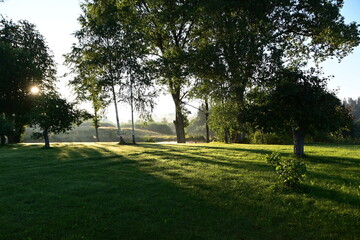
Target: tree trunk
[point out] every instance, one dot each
(132, 110)
(97, 132)
(226, 135)
(179, 117)
(14, 138)
(121, 139)
(96, 125)
(46, 138)
(207, 120)
(2, 139)
(299, 141)
(179, 123)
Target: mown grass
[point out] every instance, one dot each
(188, 191)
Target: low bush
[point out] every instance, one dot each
(291, 171)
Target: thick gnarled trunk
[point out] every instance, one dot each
(299, 142)
(179, 125)
(179, 116)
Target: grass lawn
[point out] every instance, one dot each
(185, 191)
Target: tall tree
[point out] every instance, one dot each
(51, 114)
(297, 102)
(25, 61)
(244, 42)
(108, 41)
(6, 127)
(87, 88)
(168, 28)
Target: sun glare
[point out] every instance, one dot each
(35, 90)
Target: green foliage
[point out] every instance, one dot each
(291, 171)
(242, 43)
(25, 61)
(52, 114)
(273, 158)
(197, 125)
(6, 126)
(223, 120)
(37, 135)
(354, 106)
(298, 102)
(109, 53)
(55, 115)
(261, 137)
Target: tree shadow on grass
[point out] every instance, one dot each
(117, 200)
(98, 194)
(342, 161)
(239, 149)
(225, 161)
(334, 178)
(318, 192)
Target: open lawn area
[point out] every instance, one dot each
(175, 191)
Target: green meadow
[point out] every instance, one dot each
(175, 191)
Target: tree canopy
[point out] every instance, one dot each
(297, 102)
(224, 47)
(52, 114)
(25, 61)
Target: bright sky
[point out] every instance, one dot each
(57, 20)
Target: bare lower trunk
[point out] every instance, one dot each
(121, 139)
(299, 142)
(2, 139)
(46, 138)
(132, 111)
(226, 135)
(179, 124)
(14, 138)
(97, 133)
(207, 120)
(96, 125)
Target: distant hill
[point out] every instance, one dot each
(108, 133)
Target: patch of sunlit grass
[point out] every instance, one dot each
(174, 191)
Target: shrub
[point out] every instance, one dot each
(273, 158)
(291, 171)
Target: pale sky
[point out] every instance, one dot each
(56, 20)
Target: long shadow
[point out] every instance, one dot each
(223, 161)
(119, 201)
(169, 146)
(336, 178)
(98, 194)
(313, 191)
(333, 195)
(311, 158)
(344, 161)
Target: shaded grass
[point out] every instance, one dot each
(184, 191)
